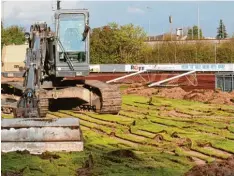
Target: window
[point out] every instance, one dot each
(71, 28)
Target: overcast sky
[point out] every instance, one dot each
(185, 14)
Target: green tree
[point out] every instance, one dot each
(221, 31)
(117, 44)
(193, 33)
(12, 35)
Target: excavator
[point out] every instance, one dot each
(56, 66)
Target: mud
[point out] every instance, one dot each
(175, 93)
(141, 91)
(83, 172)
(123, 153)
(48, 156)
(222, 168)
(87, 167)
(174, 113)
(201, 95)
(12, 174)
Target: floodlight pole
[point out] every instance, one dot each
(198, 22)
(149, 21)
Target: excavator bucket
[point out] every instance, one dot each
(38, 135)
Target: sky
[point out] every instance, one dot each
(153, 16)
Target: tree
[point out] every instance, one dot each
(12, 35)
(193, 33)
(221, 31)
(117, 44)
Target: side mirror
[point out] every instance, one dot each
(86, 31)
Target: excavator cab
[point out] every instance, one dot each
(72, 46)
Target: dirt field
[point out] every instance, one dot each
(152, 135)
(201, 95)
(198, 81)
(217, 168)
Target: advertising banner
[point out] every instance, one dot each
(94, 68)
(181, 67)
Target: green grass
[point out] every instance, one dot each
(7, 116)
(231, 128)
(139, 128)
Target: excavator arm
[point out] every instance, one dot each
(27, 106)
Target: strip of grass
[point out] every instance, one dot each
(216, 141)
(210, 152)
(183, 153)
(58, 114)
(171, 123)
(111, 118)
(88, 118)
(7, 116)
(231, 128)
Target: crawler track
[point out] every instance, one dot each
(110, 96)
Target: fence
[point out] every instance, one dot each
(224, 81)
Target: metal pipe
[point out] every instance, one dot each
(169, 79)
(126, 76)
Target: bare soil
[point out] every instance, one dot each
(201, 95)
(123, 153)
(12, 174)
(13, 79)
(222, 168)
(49, 156)
(84, 172)
(141, 91)
(174, 113)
